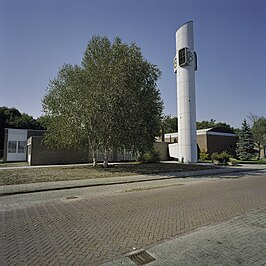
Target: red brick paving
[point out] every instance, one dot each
(93, 230)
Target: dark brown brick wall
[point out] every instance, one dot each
(215, 143)
(42, 155)
(221, 143)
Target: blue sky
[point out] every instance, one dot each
(37, 37)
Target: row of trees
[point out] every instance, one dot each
(251, 137)
(169, 125)
(13, 118)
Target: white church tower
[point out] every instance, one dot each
(185, 65)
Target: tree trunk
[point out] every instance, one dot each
(105, 159)
(94, 159)
(259, 157)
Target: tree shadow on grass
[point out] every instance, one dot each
(155, 168)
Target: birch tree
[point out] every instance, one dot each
(110, 101)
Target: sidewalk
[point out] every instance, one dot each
(60, 185)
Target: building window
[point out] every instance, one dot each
(22, 146)
(12, 147)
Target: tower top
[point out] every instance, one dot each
(189, 22)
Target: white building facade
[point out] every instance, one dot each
(16, 145)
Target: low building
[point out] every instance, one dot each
(26, 145)
(211, 140)
(40, 154)
(15, 143)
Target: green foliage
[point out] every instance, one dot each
(215, 156)
(213, 124)
(206, 124)
(110, 100)
(222, 157)
(43, 121)
(13, 118)
(259, 132)
(151, 156)
(245, 144)
(204, 155)
(169, 124)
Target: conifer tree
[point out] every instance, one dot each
(245, 144)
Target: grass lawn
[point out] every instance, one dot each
(13, 164)
(35, 175)
(263, 161)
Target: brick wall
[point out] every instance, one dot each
(40, 154)
(221, 143)
(162, 147)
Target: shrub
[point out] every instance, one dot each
(152, 156)
(232, 161)
(204, 155)
(222, 157)
(225, 156)
(215, 156)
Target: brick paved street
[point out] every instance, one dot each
(95, 229)
(239, 241)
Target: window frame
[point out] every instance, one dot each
(12, 149)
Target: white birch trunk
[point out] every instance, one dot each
(94, 159)
(105, 159)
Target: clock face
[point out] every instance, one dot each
(175, 62)
(185, 57)
(189, 57)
